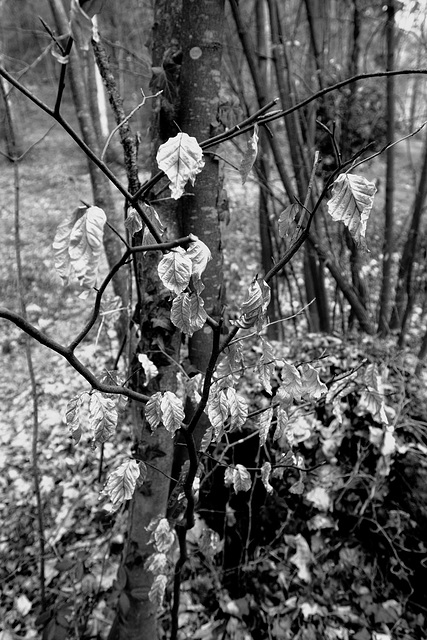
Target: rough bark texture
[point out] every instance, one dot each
(202, 30)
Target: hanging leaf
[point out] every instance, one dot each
(181, 158)
(228, 476)
(231, 367)
(264, 425)
(266, 365)
(193, 387)
(372, 399)
(157, 563)
(153, 410)
(238, 408)
(162, 536)
(199, 255)
(291, 386)
(282, 423)
(287, 218)
(175, 270)
(78, 243)
(133, 222)
(157, 591)
(121, 483)
(242, 480)
(312, 386)
(102, 416)
(265, 476)
(188, 312)
(152, 215)
(217, 409)
(73, 418)
(206, 440)
(150, 369)
(255, 306)
(351, 203)
(250, 155)
(172, 412)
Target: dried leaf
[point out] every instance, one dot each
(150, 369)
(265, 476)
(121, 483)
(254, 308)
(264, 425)
(312, 386)
(157, 591)
(188, 312)
(351, 203)
(181, 158)
(286, 219)
(72, 417)
(172, 412)
(238, 408)
(133, 222)
(266, 365)
(152, 215)
(199, 255)
(250, 155)
(242, 480)
(217, 409)
(175, 270)
(78, 244)
(302, 558)
(103, 416)
(153, 410)
(291, 386)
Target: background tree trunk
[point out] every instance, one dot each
(386, 296)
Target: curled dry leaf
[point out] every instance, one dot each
(181, 158)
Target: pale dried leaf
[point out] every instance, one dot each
(238, 408)
(287, 218)
(153, 410)
(199, 255)
(291, 386)
(312, 386)
(242, 480)
(133, 222)
(157, 591)
(152, 215)
(265, 476)
(266, 365)
(181, 158)
(264, 425)
(175, 270)
(302, 558)
(188, 312)
(250, 155)
(149, 367)
(121, 483)
(73, 418)
(351, 203)
(254, 308)
(103, 416)
(172, 412)
(217, 409)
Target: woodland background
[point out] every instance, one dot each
(338, 551)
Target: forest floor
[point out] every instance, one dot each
(344, 590)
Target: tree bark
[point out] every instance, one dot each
(386, 297)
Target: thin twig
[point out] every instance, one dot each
(128, 117)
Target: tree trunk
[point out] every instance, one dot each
(386, 297)
(201, 41)
(404, 282)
